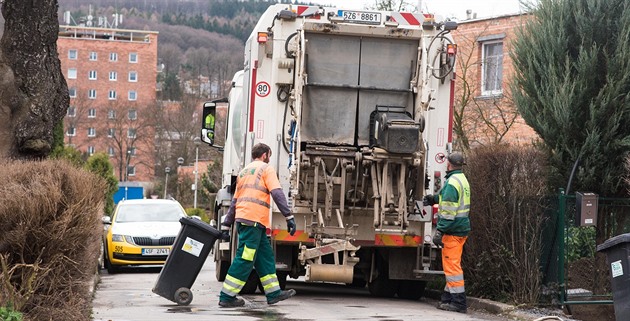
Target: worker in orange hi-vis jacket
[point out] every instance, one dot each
(255, 185)
(452, 231)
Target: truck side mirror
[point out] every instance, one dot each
(208, 122)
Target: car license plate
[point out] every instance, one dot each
(372, 18)
(155, 251)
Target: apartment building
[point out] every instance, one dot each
(111, 75)
(484, 70)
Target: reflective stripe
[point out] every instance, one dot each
(270, 283)
(232, 286)
(252, 200)
(259, 174)
(455, 289)
(256, 187)
(248, 254)
(446, 217)
(454, 278)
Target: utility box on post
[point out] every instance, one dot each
(586, 208)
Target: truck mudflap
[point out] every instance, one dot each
(341, 271)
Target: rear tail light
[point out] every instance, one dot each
(435, 214)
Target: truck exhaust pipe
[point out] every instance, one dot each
(329, 273)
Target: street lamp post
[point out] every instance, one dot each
(127, 167)
(197, 142)
(166, 170)
(180, 162)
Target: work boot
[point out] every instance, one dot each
(440, 304)
(235, 303)
(281, 297)
(451, 307)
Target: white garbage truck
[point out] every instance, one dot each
(357, 108)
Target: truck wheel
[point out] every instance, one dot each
(382, 286)
(222, 269)
(252, 284)
(183, 296)
(411, 290)
(282, 279)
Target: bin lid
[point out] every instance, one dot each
(613, 241)
(200, 225)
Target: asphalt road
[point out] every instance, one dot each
(127, 296)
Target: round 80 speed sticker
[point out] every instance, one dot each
(262, 89)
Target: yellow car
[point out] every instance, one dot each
(141, 232)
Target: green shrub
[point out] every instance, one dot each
(50, 227)
(198, 212)
(8, 314)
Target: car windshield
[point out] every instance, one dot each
(149, 213)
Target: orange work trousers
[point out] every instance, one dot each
(452, 263)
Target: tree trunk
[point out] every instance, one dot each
(33, 92)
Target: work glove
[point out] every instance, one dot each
(428, 200)
(225, 232)
(437, 239)
(291, 227)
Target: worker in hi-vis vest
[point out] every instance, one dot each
(250, 211)
(452, 231)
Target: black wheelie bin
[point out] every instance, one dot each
(617, 251)
(190, 250)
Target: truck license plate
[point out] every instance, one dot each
(155, 251)
(372, 18)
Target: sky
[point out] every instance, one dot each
(445, 8)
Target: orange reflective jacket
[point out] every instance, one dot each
(252, 192)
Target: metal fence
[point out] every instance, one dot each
(573, 271)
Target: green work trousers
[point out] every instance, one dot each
(254, 251)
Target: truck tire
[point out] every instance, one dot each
(411, 289)
(382, 286)
(222, 268)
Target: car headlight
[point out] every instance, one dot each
(117, 238)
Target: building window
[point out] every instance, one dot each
(113, 76)
(110, 151)
(133, 76)
(91, 132)
(72, 54)
(72, 73)
(131, 133)
(92, 75)
(93, 55)
(113, 56)
(111, 132)
(492, 68)
(112, 94)
(92, 113)
(131, 170)
(92, 93)
(72, 111)
(90, 150)
(133, 114)
(111, 114)
(72, 92)
(133, 95)
(72, 131)
(131, 151)
(133, 57)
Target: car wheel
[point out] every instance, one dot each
(183, 296)
(108, 265)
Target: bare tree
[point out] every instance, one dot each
(130, 132)
(393, 5)
(34, 94)
(478, 120)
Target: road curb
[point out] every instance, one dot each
(490, 306)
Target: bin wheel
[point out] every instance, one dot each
(183, 296)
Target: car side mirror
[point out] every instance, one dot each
(106, 220)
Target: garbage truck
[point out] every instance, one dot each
(357, 108)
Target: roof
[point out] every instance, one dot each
(460, 22)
